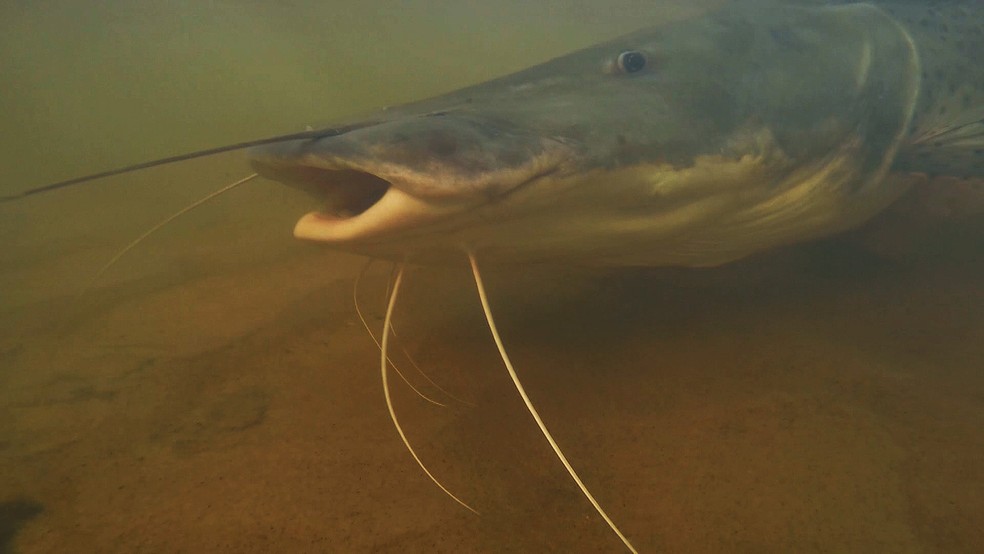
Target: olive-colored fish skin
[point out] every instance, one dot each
(949, 35)
(758, 125)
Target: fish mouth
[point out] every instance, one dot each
(348, 193)
(353, 203)
(394, 181)
(342, 193)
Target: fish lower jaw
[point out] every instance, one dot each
(395, 211)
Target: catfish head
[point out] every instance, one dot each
(695, 143)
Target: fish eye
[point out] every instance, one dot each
(631, 61)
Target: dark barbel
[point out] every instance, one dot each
(313, 134)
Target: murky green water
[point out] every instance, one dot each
(89, 86)
(215, 392)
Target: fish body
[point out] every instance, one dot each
(696, 143)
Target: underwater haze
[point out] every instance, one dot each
(215, 390)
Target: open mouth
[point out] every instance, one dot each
(399, 179)
(343, 193)
(354, 205)
(348, 193)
